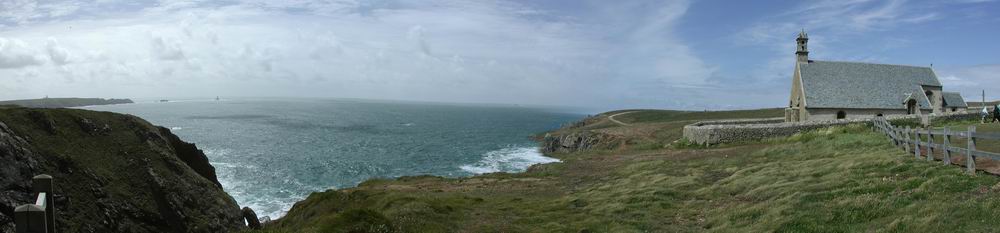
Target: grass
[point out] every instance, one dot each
(958, 158)
(653, 116)
(842, 179)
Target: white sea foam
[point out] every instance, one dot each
(511, 159)
(175, 128)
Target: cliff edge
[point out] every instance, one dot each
(113, 173)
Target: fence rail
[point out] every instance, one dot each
(39, 217)
(917, 141)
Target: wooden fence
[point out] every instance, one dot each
(915, 139)
(41, 216)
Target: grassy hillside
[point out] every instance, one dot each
(844, 179)
(652, 116)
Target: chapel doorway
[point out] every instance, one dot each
(911, 107)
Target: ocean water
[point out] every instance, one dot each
(271, 153)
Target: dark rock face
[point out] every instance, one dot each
(191, 155)
(113, 173)
(43, 120)
(252, 221)
(16, 166)
(576, 141)
(91, 128)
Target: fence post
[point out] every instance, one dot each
(970, 160)
(916, 142)
(43, 184)
(907, 141)
(946, 147)
(894, 133)
(930, 145)
(29, 218)
(899, 137)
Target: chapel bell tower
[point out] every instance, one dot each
(801, 51)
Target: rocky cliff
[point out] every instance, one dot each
(578, 136)
(112, 173)
(565, 142)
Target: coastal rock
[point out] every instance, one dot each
(43, 120)
(577, 141)
(252, 221)
(92, 128)
(135, 177)
(191, 155)
(16, 165)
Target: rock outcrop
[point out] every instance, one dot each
(113, 173)
(581, 140)
(252, 221)
(191, 155)
(16, 165)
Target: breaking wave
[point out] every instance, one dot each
(510, 159)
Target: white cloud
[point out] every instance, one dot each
(58, 54)
(972, 80)
(973, 1)
(166, 49)
(443, 50)
(54, 10)
(15, 53)
(922, 18)
(416, 34)
(18, 11)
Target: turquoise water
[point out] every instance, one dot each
(270, 153)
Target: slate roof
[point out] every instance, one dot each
(954, 99)
(829, 84)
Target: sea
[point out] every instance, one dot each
(272, 152)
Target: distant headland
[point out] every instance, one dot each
(64, 102)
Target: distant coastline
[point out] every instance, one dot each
(64, 102)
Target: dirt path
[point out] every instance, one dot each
(612, 118)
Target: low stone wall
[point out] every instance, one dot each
(743, 121)
(744, 130)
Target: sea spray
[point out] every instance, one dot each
(509, 159)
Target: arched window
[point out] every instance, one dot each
(841, 115)
(879, 114)
(954, 109)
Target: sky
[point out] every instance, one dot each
(596, 54)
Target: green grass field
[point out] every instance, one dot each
(843, 179)
(654, 116)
